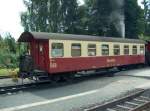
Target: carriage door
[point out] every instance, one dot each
(43, 55)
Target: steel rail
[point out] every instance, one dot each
(142, 107)
(16, 88)
(120, 103)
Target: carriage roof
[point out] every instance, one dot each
(28, 36)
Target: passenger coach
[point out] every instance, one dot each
(59, 53)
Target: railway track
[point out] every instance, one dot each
(139, 101)
(22, 87)
(14, 88)
(78, 78)
(47, 84)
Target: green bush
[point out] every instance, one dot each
(8, 60)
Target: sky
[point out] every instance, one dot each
(10, 11)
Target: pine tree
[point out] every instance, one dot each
(69, 15)
(35, 19)
(134, 19)
(146, 4)
(53, 16)
(99, 12)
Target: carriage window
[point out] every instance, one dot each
(105, 49)
(116, 50)
(40, 48)
(126, 50)
(76, 50)
(134, 50)
(142, 49)
(91, 50)
(57, 50)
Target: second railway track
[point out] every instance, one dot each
(139, 101)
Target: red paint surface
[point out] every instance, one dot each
(148, 46)
(41, 59)
(87, 63)
(57, 65)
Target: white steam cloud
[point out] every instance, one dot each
(117, 16)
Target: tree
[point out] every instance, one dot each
(82, 20)
(99, 13)
(95, 17)
(35, 19)
(106, 18)
(134, 19)
(53, 16)
(8, 52)
(69, 10)
(146, 4)
(10, 43)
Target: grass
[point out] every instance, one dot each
(7, 72)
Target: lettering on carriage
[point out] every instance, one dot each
(111, 60)
(53, 64)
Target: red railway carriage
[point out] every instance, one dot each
(57, 53)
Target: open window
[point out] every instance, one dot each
(126, 50)
(76, 50)
(105, 50)
(116, 50)
(142, 50)
(91, 49)
(57, 50)
(134, 50)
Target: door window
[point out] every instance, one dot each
(41, 48)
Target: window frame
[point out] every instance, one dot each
(53, 49)
(41, 48)
(125, 48)
(76, 49)
(116, 49)
(143, 47)
(134, 49)
(88, 49)
(104, 50)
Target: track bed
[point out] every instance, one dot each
(138, 101)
